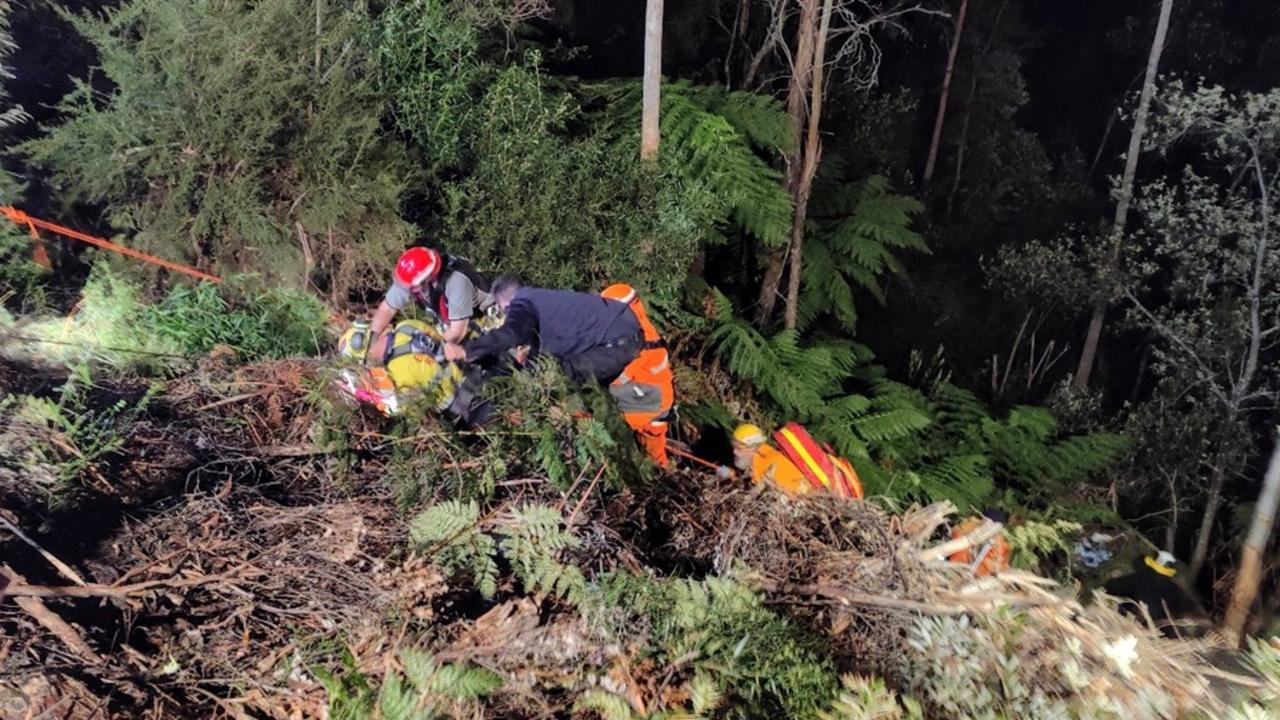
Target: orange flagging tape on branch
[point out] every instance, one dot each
(32, 224)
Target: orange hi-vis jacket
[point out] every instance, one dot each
(645, 391)
(770, 464)
(996, 557)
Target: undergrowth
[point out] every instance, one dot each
(115, 326)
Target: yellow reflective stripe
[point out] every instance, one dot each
(812, 464)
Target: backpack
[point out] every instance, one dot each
(818, 462)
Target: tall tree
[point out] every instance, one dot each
(1209, 256)
(941, 118)
(812, 151)
(852, 25)
(1124, 195)
(649, 133)
(1249, 576)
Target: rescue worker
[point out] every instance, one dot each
(409, 360)
(753, 454)
(1152, 583)
(448, 287)
(992, 556)
(645, 391)
(592, 337)
(607, 338)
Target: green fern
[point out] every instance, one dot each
(713, 135)
(533, 540)
(607, 705)
(451, 529)
(857, 229)
(869, 699)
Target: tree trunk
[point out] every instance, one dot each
(812, 154)
(968, 107)
(797, 97)
(942, 101)
(1090, 350)
(1255, 544)
(649, 133)
(1201, 551)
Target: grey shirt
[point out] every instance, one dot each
(462, 298)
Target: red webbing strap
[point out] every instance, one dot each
(32, 224)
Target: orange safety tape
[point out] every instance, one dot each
(689, 456)
(32, 223)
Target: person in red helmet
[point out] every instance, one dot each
(449, 288)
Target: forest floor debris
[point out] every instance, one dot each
(245, 576)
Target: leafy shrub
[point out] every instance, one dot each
(74, 433)
(569, 211)
(257, 321)
(297, 171)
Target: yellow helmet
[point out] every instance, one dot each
(354, 343)
(749, 434)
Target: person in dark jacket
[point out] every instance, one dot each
(590, 336)
(1152, 583)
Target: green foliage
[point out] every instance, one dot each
(965, 454)
(532, 541)
(198, 167)
(765, 665)
(713, 136)
(450, 531)
(79, 431)
(115, 327)
(597, 215)
(1264, 659)
(869, 699)
(10, 113)
(244, 314)
(425, 690)
(857, 229)
(1031, 540)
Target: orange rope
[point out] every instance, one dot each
(691, 457)
(32, 223)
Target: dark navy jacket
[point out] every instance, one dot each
(560, 323)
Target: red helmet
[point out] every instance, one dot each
(417, 265)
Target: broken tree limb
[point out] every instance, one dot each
(62, 567)
(22, 589)
(981, 534)
(48, 619)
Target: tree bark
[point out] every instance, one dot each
(797, 96)
(1201, 551)
(1090, 350)
(809, 168)
(1255, 544)
(938, 122)
(649, 133)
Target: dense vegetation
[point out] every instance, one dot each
(927, 325)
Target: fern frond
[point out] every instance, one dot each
(606, 704)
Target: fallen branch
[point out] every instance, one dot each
(21, 589)
(48, 619)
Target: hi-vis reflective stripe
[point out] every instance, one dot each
(808, 459)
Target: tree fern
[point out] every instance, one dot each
(858, 229)
(713, 135)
